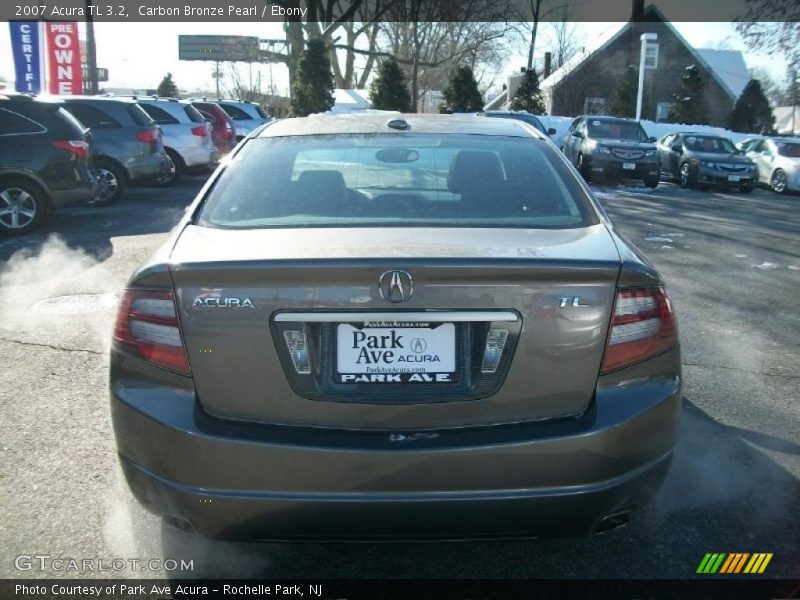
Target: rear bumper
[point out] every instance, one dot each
(236, 480)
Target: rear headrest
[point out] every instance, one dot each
(324, 183)
(474, 167)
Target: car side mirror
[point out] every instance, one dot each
(577, 134)
(551, 131)
(677, 148)
(652, 139)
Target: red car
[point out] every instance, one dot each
(223, 131)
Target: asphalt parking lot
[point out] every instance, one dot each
(732, 264)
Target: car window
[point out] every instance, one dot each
(12, 123)
(91, 117)
(260, 111)
(616, 130)
(790, 150)
(236, 113)
(420, 180)
(710, 144)
(574, 124)
(159, 115)
(208, 116)
(139, 116)
(193, 114)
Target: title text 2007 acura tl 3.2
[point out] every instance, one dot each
(415, 327)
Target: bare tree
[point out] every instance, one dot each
(565, 39)
(773, 27)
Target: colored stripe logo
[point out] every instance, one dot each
(734, 563)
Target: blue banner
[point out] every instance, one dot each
(25, 45)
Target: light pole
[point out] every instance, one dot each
(646, 38)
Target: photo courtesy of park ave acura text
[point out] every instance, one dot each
(400, 299)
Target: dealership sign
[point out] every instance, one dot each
(64, 58)
(25, 45)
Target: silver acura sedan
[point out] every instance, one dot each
(414, 327)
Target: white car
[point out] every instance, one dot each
(187, 135)
(778, 161)
(246, 116)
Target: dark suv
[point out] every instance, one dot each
(612, 148)
(45, 162)
(127, 144)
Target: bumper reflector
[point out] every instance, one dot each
(495, 342)
(298, 350)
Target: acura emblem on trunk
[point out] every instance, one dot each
(395, 286)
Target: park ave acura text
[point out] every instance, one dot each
(402, 327)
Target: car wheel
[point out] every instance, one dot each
(172, 174)
(112, 183)
(778, 181)
(651, 183)
(23, 206)
(745, 189)
(685, 176)
(583, 168)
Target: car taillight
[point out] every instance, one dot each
(149, 136)
(642, 326)
(200, 130)
(77, 147)
(229, 129)
(147, 324)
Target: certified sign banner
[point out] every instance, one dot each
(25, 45)
(64, 57)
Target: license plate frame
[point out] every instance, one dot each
(629, 166)
(370, 344)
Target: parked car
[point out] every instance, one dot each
(45, 162)
(186, 133)
(777, 161)
(523, 116)
(705, 159)
(613, 148)
(246, 116)
(422, 326)
(127, 144)
(223, 132)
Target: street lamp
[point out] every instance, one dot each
(646, 38)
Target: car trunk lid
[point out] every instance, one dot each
(239, 291)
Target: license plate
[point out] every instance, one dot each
(389, 353)
(629, 166)
(733, 178)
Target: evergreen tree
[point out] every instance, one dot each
(388, 90)
(167, 87)
(623, 103)
(752, 112)
(691, 106)
(528, 95)
(461, 93)
(312, 86)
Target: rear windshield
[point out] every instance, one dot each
(236, 113)
(193, 114)
(139, 116)
(616, 130)
(529, 119)
(705, 143)
(260, 111)
(402, 180)
(791, 150)
(70, 120)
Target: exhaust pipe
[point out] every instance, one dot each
(612, 521)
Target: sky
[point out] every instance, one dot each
(138, 55)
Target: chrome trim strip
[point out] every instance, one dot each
(400, 317)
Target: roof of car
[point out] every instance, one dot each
(371, 123)
(127, 100)
(608, 119)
